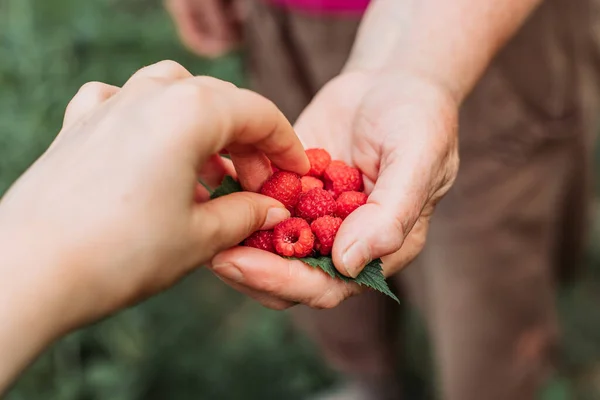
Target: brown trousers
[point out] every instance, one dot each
(513, 223)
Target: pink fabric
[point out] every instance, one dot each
(328, 6)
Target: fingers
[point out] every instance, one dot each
(411, 248)
(401, 192)
(213, 171)
(288, 280)
(89, 96)
(166, 69)
(251, 127)
(224, 222)
(264, 299)
(255, 130)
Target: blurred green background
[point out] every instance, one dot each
(199, 340)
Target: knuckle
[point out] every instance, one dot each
(400, 226)
(213, 82)
(169, 68)
(276, 305)
(191, 96)
(331, 298)
(93, 89)
(249, 213)
(88, 95)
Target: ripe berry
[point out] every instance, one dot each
(310, 182)
(347, 202)
(293, 238)
(341, 178)
(314, 204)
(319, 160)
(261, 240)
(283, 186)
(325, 228)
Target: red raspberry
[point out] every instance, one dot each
(314, 204)
(348, 202)
(310, 182)
(325, 228)
(293, 238)
(341, 178)
(319, 160)
(261, 240)
(283, 186)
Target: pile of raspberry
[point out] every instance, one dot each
(318, 203)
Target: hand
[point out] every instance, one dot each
(209, 28)
(113, 211)
(401, 131)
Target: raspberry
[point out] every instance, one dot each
(319, 160)
(293, 238)
(348, 202)
(310, 182)
(325, 228)
(342, 178)
(261, 240)
(314, 204)
(283, 186)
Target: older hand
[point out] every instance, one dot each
(401, 131)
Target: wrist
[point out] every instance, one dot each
(402, 84)
(453, 89)
(33, 306)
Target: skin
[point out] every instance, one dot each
(209, 28)
(113, 213)
(392, 112)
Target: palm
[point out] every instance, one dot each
(369, 128)
(400, 131)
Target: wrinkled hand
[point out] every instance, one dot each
(209, 28)
(113, 211)
(401, 131)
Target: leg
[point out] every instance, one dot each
(488, 268)
(291, 56)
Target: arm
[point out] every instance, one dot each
(82, 238)
(393, 114)
(421, 37)
(29, 313)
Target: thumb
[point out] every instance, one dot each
(379, 228)
(226, 221)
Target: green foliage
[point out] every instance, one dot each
(371, 276)
(227, 186)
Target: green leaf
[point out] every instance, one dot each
(371, 276)
(228, 186)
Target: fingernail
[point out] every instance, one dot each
(229, 271)
(355, 258)
(274, 216)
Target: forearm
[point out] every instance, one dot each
(30, 315)
(448, 41)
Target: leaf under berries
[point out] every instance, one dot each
(228, 186)
(371, 276)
